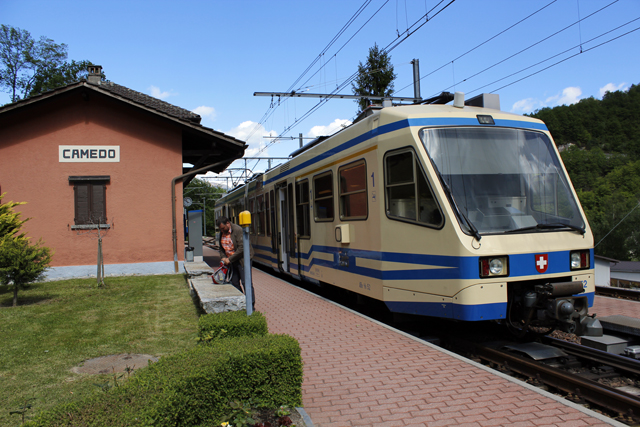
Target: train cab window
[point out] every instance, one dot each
(353, 191)
(323, 197)
(303, 219)
(408, 194)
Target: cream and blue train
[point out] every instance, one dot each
(448, 211)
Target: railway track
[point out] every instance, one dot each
(618, 404)
(623, 406)
(623, 293)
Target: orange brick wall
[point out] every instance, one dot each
(138, 196)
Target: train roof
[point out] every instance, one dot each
(416, 115)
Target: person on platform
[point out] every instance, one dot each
(232, 252)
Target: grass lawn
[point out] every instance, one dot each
(58, 325)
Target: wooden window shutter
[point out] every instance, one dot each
(81, 203)
(98, 205)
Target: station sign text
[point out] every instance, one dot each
(89, 153)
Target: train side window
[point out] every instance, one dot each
(252, 210)
(408, 194)
(353, 191)
(323, 197)
(260, 203)
(303, 219)
(267, 214)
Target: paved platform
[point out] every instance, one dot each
(606, 306)
(358, 372)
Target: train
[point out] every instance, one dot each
(450, 210)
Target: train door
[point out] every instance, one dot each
(283, 227)
(286, 236)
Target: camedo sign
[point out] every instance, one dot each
(89, 153)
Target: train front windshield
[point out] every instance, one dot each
(503, 180)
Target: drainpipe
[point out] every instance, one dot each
(173, 206)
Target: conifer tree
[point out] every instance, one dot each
(375, 77)
(20, 261)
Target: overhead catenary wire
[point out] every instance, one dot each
(483, 43)
(531, 46)
(317, 58)
(563, 60)
(625, 217)
(392, 45)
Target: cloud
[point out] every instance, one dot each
(157, 93)
(206, 112)
(528, 105)
(330, 129)
(252, 133)
(610, 87)
(570, 95)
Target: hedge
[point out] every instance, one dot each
(193, 388)
(231, 324)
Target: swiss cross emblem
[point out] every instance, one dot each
(542, 262)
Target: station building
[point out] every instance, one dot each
(94, 159)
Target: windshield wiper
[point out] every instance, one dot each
(472, 228)
(549, 226)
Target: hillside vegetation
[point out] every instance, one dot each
(600, 144)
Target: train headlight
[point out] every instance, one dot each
(494, 266)
(580, 260)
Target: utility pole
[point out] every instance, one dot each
(416, 78)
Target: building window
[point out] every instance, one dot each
(90, 200)
(353, 191)
(408, 195)
(302, 209)
(323, 197)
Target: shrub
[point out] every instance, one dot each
(231, 324)
(194, 387)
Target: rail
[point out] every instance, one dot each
(615, 292)
(625, 404)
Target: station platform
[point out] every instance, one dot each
(607, 306)
(359, 372)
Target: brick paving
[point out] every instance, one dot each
(606, 306)
(360, 373)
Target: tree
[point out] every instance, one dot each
(56, 76)
(10, 222)
(22, 59)
(375, 77)
(205, 196)
(20, 261)
(29, 67)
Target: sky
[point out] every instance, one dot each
(211, 56)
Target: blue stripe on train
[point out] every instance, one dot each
(440, 267)
(478, 312)
(451, 311)
(401, 124)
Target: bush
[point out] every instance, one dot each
(231, 324)
(194, 387)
